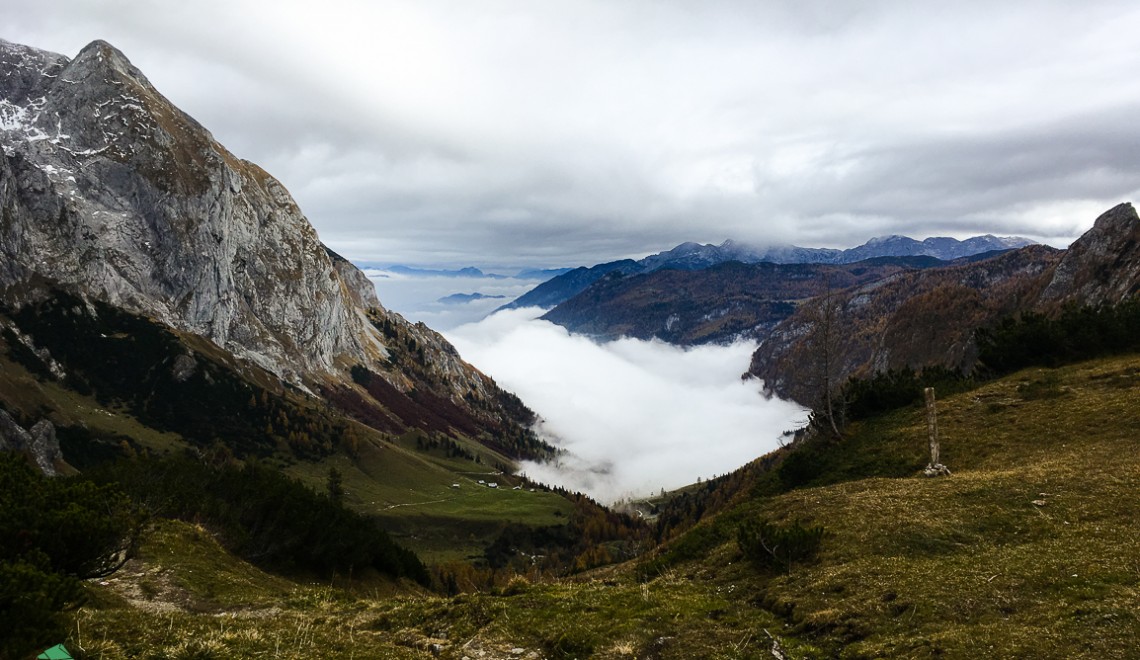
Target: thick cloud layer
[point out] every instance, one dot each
(634, 416)
(574, 132)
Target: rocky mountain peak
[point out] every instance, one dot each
(108, 188)
(113, 199)
(110, 191)
(102, 60)
(23, 70)
(878, 240)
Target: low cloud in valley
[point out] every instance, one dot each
(634, 416)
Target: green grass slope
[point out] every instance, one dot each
(184, 597)
(412, 494)
(1027, 550)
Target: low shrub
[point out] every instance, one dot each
(769, 545)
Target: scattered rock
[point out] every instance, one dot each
(44, 447)
(777, 649)
(39, 443)
(183, 368)
(936, 470)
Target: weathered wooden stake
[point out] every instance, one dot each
(935, 468)
(932, 424)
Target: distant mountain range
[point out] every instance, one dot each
(694, 256)
(464, 298)
(720, 304)
(900, 311)
(470, 272)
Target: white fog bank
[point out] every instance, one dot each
(634, 416)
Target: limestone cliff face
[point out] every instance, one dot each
(108, 187)
(111, 192)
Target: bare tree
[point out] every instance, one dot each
(824, 363)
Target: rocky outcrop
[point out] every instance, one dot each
(12, 436)
(1103, 266)
(39, 443)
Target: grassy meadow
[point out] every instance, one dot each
(1028, 550)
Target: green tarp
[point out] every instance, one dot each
(57, 652)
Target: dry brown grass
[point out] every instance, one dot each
(1028, 550)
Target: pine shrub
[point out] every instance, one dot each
(769, 545)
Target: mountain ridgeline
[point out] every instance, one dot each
(115, 203)
(694, 256)
(887, 313)
(718, 304)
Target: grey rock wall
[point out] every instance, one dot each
(108, 189)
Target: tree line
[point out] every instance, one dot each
(263, 516)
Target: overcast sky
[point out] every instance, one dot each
(573, 132)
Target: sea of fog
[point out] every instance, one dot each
(634, 416)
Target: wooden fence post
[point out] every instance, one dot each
(935, 468)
